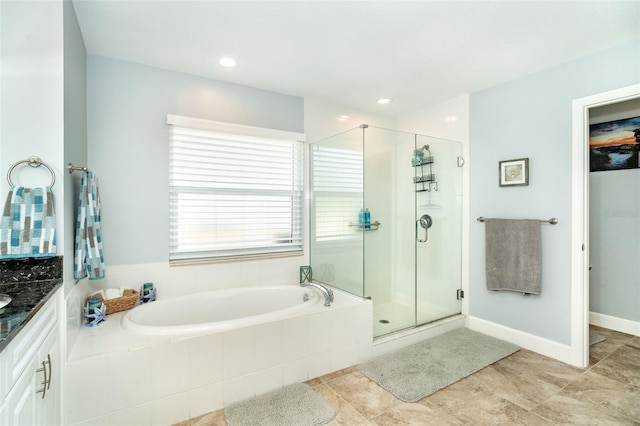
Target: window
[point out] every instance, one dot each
(235, 191)
(337, 192)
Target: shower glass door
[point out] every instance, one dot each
(407, 257)
(438, 247)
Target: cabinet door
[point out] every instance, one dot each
(49, 406)
(21, 405)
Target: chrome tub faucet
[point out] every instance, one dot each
(328, 293)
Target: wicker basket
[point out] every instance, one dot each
(122, 303)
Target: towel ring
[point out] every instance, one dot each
(33, 161)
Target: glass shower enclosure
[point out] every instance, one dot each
(386, 223)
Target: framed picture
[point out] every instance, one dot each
(514, 172)
(615, 145)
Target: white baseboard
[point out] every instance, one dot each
(528, 341)
(614, 323)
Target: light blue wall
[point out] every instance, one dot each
(128, 144)
(531, 117)
(75, 129)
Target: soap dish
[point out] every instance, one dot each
(4, 300)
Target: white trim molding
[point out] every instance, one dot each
(579, 351)
(528, 341)
(614, 323)
(232, 128)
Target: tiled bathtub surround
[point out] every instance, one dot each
(523, 389)
(115, 377)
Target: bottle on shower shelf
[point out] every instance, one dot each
(367, 219)
(361, 218)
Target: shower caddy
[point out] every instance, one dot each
(424, 178)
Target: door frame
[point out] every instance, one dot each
(580, 216)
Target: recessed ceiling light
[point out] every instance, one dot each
(227, 62)
(383, 101)
(343, 118)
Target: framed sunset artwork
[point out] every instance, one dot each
(614, 145)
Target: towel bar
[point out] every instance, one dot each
(552, 221)
(73, 168)
(33, 161)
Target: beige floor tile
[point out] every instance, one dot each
(215, 418)
(612, 336)
(564, 410)
(596, 389)
(314, 382)
(532, 419)
(365, 396)
(535, 377)
(415, 414)
(635, 342)
(613, 341)
(331, 376)
(623, 366)
(483, 398)
(345, 413)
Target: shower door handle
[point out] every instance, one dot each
(425, 222)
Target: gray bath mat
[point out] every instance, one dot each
(295, 405)
(419, 370)
(595, 338)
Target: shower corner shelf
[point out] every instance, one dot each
(373, 226)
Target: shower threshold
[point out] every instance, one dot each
(409, 336)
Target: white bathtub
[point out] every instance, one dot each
(218, 311)
(216, 364)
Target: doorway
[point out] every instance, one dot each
(580, 212)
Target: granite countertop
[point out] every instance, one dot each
(27, 299)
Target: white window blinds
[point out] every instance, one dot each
(338, 187)
(234, 194)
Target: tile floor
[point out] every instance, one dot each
(522, 389)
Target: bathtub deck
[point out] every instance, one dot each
(138, 379)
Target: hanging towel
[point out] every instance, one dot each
(28, 227)
(513, 258)
(88, 259)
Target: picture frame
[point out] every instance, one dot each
(514, 172)
(615, 145)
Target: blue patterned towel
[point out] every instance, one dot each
(88, 259)
(28, 227)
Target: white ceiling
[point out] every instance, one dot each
(353, 52)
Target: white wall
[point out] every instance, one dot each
(614, 230)
(531, 117)
(322, 119)
(32, 94)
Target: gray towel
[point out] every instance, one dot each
(513, 258)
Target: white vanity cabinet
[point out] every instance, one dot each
(31, 371)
